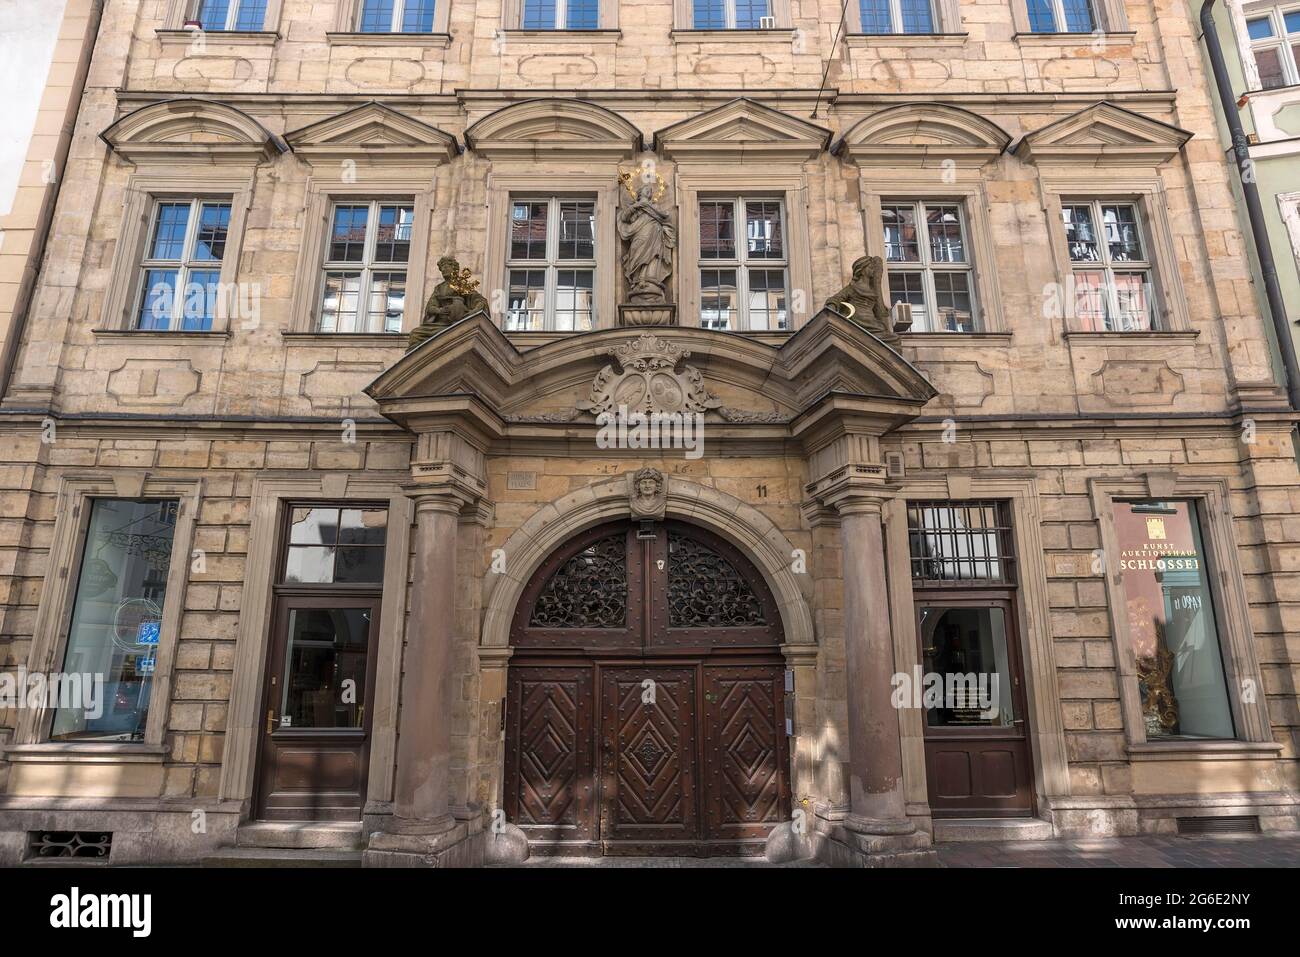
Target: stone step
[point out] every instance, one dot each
(333, 835)
(281, 857)
(954, 830)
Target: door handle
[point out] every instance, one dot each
(270, 720)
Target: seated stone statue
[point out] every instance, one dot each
(863, 299)
(453, 299)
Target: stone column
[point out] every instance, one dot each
(876, 826)
(423, 830)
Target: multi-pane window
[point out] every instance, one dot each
(365, 267)
(329, 545)
(1275, 41)
(730, 14)
(1113, 290)
(397, 16)
(960, 543)
(180, 274)
(1061, 16)
(117, 613)
(230, 14)
(551, 264)
(930, 265)
(561, 14)
(896, 16)
(743, 275)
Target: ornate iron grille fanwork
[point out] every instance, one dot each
(588, 591)
(963, 543)
(705, 590)
(95, 844)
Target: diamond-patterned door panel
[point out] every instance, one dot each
(648, 754)
(550, 785)
(746, 789)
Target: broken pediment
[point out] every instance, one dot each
(473, 371)
(554, 129)
(741, 131)
(373, 133)
(191, 130)
(1103, 135)
(923, 135)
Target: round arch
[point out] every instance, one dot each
(742, 525)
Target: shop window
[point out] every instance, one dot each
(1172, 621)
(115, 625)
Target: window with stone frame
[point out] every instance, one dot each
(928, 261)
(1274, 34)
(228, 14)
(551, 264)
(1111, 268)
(367, 254)
(559, 14)
(744, 264)
(731, 14)
(897, 16)
(1062, 16)
(179, 284)
(396, 16)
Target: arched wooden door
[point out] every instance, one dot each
(645, 706)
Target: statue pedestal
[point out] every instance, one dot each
(647, 314)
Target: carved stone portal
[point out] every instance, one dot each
(647, 493)
(645, 377)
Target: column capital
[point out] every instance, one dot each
(858, 488)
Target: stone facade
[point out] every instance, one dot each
(820, 438)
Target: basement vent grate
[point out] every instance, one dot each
(62, 844)
(1236, 824)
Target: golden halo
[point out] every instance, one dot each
(625, 178)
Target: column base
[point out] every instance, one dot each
(445, 842)
(847, 840)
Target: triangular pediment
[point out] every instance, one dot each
(191, 129)
(373, 133)
(471, 370)
(558, 128)
(1103, 135)
(923, 134)
(739, 131)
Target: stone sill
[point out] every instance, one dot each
(955, 338)
(218, 37)
(441, 40)
(866, 41)
(564, 36)
(212, 337)
(784, 34)
(108, 752)
(1074, 39)
(1154, 338)
(386, 340)
(1202, 750)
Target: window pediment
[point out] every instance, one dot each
(192, 130)
(742, 131)
(545, 129)
(1103, 135)
(923, 134)
(375, 133)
